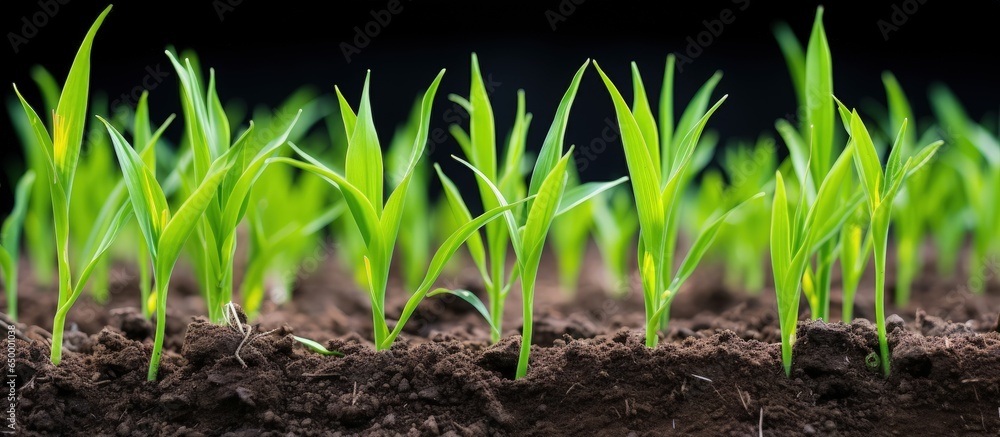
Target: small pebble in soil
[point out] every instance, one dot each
(808, 429)
(431, 426)
(894, 322)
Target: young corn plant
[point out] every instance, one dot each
(10, 240)
(797, 235)
(164, 232)
(881, 187)
(378, 222)
(811, 147)
(977, 160)
(615, 225)
(61, 150)
(917, 202)
(547, 199)
(570, 237)
(657, 165)
(479, 146)
(208, 133)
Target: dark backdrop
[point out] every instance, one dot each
(262, 51)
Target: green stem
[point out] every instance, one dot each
(162, 281)
(145, 278)
(12, 288)
(60, 213)
(528, 291)
(57, 336)
(823, 278)
(880, 226)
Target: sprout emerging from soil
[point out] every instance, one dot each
(658, 169)
(881, 187)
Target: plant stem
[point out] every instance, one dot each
(145, 279)
(880, 226)
(162, 281)
(60, 214)
(823, 278)
(528, 293)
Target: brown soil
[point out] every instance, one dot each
(717, 372)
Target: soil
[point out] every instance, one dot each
(716, 372)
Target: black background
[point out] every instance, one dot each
(263, 51)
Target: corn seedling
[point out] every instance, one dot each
(615, 227)
(977, 161)
(479, 146)
(798, 234)
(881, 187)
(658, 161)
(10, 240)
(547, 198)
(378, 223)
(61, 149)
(811, 147)
(208, 133)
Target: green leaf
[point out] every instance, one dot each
(499, 199)
(361, 210)
(819, 95)
(795, 58)
(923, 157)
(42, 135)
(148, 201)
(180, 227)
(473, 300)
(71, 113)
(781, 246)
(552, 146)
(899, 110)
(217, 118)
(461, 213)
(642, 171)
(581, 193)
(667, 117)
(364, 155)
(866, 159)
(687, 145)
(347, 114)
(543, 210)
(441, 258)
(644, 115)
(798, 150)
(423, 128)
(47, 85)
(118, 222)
(894, 166)
(316, 347)
(481, 128)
